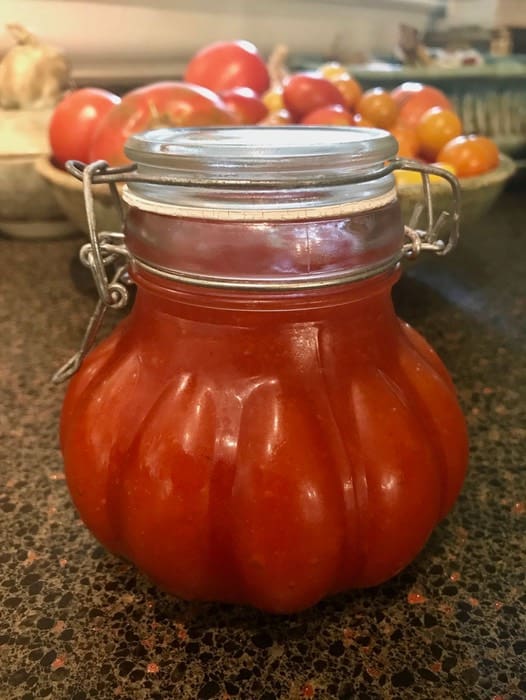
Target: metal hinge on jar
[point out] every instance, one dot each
(429, 239)
(106, 250)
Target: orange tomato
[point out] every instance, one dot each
(407, 141)
(414, 103)
(350, 89)
(338, 75)
(470, 155)
(360, 120)
(378, 107)
(436, 127)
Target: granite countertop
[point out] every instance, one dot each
(77, 623)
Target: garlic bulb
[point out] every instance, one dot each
(33, 75)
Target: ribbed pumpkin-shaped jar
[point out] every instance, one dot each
(262, 428)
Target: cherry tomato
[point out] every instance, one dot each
(378, 107)
(333, 71)
(409, 177)
(360, 120)
(436, 127)
(407, 141)
(228, 64)
(414, 99)
(156, 105)
(273, 99)
(350, 89)
(402, 93)
(277, 118)
(334, 115)
(248, 107)
(305, 92)
(73, 122)
(470, 155)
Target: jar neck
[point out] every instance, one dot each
(266, 255)
(160, 296)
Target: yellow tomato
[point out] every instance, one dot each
(334, 71)
(409, 177)
(273, 99)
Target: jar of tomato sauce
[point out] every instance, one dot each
(261, 428)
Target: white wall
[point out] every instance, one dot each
(137, 38)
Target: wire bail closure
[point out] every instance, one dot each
(106, 249)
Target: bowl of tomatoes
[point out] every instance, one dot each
(230, 83)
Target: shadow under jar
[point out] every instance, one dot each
(262, 428)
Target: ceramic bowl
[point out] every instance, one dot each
(479, 193)
(28, 208)
(68, 194)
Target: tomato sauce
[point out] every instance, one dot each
(265, 449)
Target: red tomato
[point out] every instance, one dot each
(305, 92)
(402, 93)
(73, 122)
(245, 104)
(153, 106)
(414, 99)
(335, 115)
(436, 127)
(470, 155)
(228, 64)
(378, 107)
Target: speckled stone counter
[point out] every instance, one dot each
(77, 623)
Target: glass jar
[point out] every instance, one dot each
(261, 428)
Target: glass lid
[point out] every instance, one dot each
(254, 172)
(261, 152)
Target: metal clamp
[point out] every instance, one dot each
(108, 250)
(105, 250)
(428, 239)
(418, 239)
